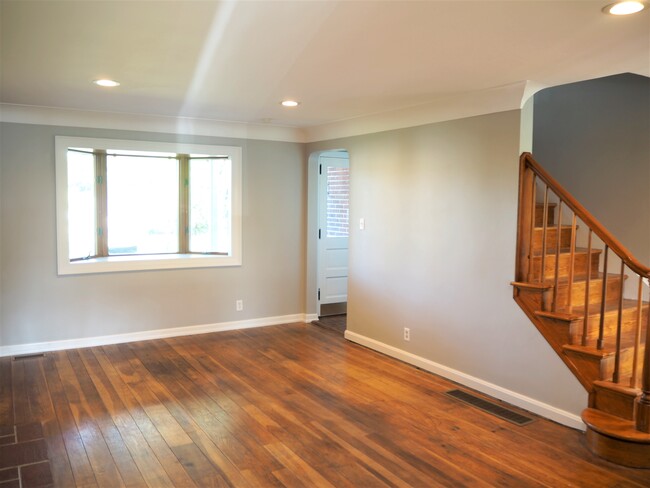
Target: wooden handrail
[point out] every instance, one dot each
(591, 221)
(610, 308)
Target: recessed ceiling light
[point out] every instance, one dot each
(624, 8)
(108, 83)
(290, 103)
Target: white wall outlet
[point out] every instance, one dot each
(407, 334)
(239, 305)
(362, 223)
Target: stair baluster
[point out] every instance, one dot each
(637, 335)
(585, 328)
(544, 235)
(619, 328)
(572, 263)
(557, 255)
(643, 407)
(532, 227)
(606, 342)
(603, 302)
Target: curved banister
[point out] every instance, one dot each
(621, 251)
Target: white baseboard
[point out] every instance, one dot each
(548, 411)
(310, 317)
(38, 347)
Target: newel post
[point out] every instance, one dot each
(524, 218)
(643, 406)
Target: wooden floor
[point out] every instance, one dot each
(292, 405)
(336, 323)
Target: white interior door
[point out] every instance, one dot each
(334, 227)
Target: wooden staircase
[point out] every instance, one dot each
(588, 297)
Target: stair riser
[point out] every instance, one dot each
(634, 455)
(595, 292)
(539, 215)
(614, 402)
(597, 368)
(589, 367)
(625, 368)
(551, 239)
(628, 327)
(580, 266)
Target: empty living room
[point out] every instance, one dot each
(324, 243)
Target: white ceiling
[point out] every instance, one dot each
(235, 61)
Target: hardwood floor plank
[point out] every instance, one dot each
(291, 406)
(205, 429)
(234, 433)
(99, 454)
(143, 456)
(94, 407)
(169, 419)
(38, 393)
(6, 393)
(329, 451)
(292, 433)
(445, 469)
(109, 362)
(566, 440)
(79, 462)
(21, 410)
(298, 467)
(398, 393)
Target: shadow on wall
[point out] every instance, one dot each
(592, 136)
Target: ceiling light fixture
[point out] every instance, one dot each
(106, 83)
(624, 8)
(289, 103)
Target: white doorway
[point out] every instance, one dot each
(333, 231)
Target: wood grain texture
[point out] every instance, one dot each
(584, 314)
(292, 405)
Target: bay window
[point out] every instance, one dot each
(132, 205)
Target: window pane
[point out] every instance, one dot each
(338, 201)
(210, 205)
(82, 227)
(142, 205)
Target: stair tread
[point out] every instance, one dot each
(565, 250)
(535, 286)
(613, 426)
(563, 280)
(610, 385)
(590, 350)
(578, 311)
(549, 227)
(609, 349)
(561, 315)
(595, 308)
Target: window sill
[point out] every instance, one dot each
(116, 264)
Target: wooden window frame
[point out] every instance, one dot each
(102, 261)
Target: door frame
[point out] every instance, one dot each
(320, 251)
(312, 305)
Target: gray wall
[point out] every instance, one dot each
(594, 138)
(438, 252)
(37, 305)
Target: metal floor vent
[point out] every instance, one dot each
(490, 407)
(29, 356)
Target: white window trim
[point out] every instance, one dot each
(143, 262)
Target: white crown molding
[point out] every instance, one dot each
(463, 105)
(30, 114)
(469, 104)
(545, 410)
(38, 347)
